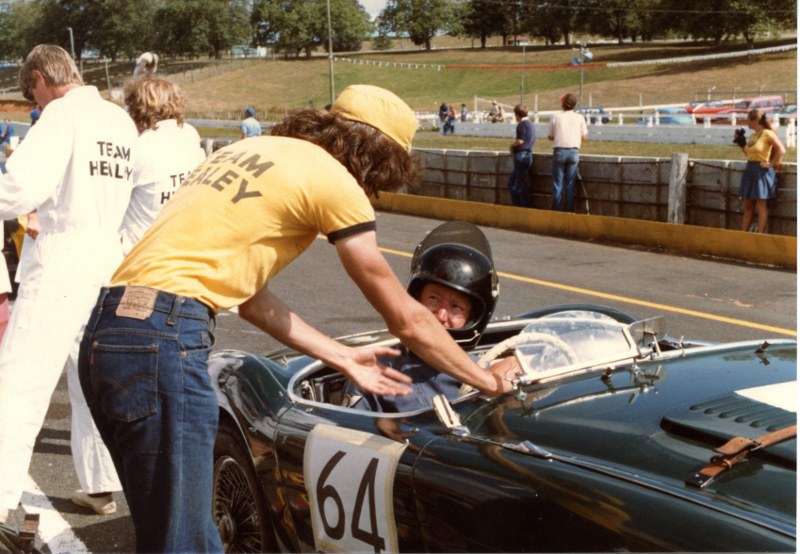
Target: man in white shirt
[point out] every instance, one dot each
(567, 130)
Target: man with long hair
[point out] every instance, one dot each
(241, 217)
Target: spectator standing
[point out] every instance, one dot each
(242, 216)
(75, 166)
(522, 156)
(567, 130)
(450, 124)
(8, 132)
(35, 113)
(464, 112)
(167, 150)
(496, 114)
(443, 111)
(250, 125)
(764, 151)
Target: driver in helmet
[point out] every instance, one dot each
(452, 274)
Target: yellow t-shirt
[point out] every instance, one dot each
(759, 146)
(242, 216)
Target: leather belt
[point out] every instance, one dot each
(734, 451)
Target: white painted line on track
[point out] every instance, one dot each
(54, 532)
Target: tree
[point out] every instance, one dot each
(18, 24)
(420, 20)
(482, 19)
(718, 20)
(295, 26)
(194, 27)
(125, 28)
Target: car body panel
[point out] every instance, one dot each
(592, 461)
(668, 116)
(594, 114)
(706, 108)
(740, 108)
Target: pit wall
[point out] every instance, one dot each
(701, 193)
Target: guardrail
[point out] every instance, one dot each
(621, 130)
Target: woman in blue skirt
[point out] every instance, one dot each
(764, 151)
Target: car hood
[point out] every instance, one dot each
(658, 422)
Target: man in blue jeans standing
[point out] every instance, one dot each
(567, 130)
(522, 152)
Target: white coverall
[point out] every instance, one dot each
(75, 166)
(164, 158)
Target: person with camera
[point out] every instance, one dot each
(764, 152)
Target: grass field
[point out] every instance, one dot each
(279, 87)
(282, 86)
(276, 88)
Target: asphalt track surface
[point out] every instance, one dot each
(701, 299)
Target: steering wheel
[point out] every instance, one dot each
(521, 338)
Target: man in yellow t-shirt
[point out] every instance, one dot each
(239, 219)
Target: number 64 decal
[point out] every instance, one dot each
(349, 477)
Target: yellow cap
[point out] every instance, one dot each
(378, 108)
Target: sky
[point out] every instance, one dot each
(373, 7)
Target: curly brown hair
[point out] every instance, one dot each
(152, 99)
(377, 162)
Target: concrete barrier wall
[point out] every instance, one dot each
(627, 187)
(756, 248)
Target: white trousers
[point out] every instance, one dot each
(46, 324)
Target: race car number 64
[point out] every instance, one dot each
(349, 477)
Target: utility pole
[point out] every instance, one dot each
(330, 51)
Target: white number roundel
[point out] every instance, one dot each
(349, 477)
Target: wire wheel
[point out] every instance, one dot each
(237, 506)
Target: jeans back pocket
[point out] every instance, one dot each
(125, 379)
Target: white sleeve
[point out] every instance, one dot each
(37, 166)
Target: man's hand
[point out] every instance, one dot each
(505, 371)
(33, 227)
(370, 375)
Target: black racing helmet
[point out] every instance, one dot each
(456, 254)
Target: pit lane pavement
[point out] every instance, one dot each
(701, 299)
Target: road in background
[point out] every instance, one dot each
(701, 299)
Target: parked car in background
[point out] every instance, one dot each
(788, 113)
(593, 114)
(766, 104)
(668, 116)
(705, 108)
(616, 438)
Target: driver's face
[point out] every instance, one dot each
(451, 308)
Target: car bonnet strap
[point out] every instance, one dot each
(734, 451)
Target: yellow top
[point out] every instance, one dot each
(242, 216)
(759, 146)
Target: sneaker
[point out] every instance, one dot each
(102, 505)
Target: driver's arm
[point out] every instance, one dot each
(407, 319)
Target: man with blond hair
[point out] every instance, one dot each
(74, 168)
(168, 150)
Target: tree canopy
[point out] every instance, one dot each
(114, 28)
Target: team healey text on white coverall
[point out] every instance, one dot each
(75, 166)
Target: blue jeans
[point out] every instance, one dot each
(518, 181)
(565, 174)
(147, 386)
